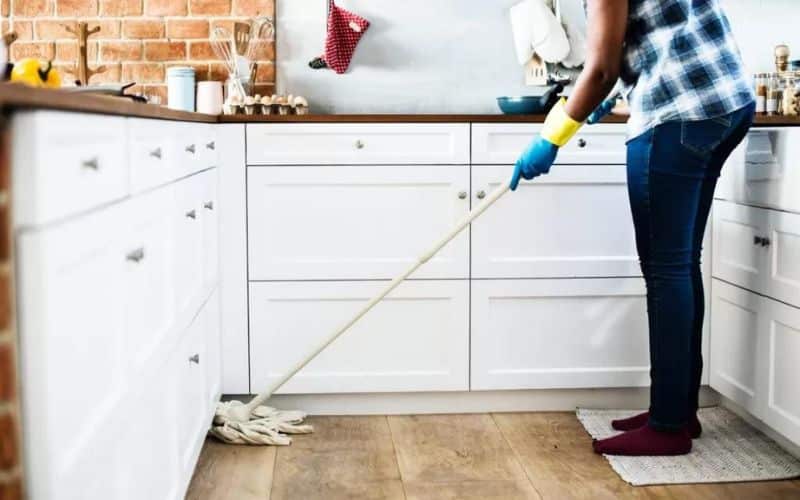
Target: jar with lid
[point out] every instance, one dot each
(790, 99)
(761, 84)
(180, 88)
(774, 95)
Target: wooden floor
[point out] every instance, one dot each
(483, 456)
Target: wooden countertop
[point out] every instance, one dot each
(14, 96)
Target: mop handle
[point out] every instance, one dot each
(474, 213)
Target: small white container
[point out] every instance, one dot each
(209, 97)
(180, 88)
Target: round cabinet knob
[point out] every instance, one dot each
(156, 153)
(194, 358)
(91, 164)
(581, 143)
(758, 240)
(765, 242)
(481, 194)
(190, 148)
(462, 195)
(360, 144)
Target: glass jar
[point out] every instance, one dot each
(761, 93)
(180, 88)
(774, 95)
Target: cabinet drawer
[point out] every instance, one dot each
(355, 222)
(574, 222)
(209, 215)
(782, 397)
(374, 143)
(66, 163)
(503, 143)
(187, 214)
(542, 334)
(193, 409)
(152, 158)
(415, 340)
(189, 146)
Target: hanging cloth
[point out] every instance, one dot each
(345, 30)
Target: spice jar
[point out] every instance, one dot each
(761, 93)
(774, 95)
(790, 99)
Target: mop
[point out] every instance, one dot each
(256, 424)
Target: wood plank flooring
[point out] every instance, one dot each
(482, 456)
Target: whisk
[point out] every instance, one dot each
(223, 44)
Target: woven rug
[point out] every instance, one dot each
(730, 450)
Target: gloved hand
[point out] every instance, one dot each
(535, 161)
(602, 110)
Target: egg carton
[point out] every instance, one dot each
(266, 105)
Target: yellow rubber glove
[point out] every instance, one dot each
(559, 127)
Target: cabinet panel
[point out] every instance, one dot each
(494, 143)
(573, 222)
(784, 257)
(213, 329)
(738, 257)
(343, 144)
(737, 346)
(192, 411)
(415, 340)
(355, 222)
(210, 220)
(153, 159)
(535, 334)
(783, 396)
(186, 214)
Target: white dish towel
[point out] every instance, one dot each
(537, 29)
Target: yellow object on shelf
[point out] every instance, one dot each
(36, 73)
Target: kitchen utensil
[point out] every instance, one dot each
(209, 97)
(224, 46)
(241, 37)
(252, 423)
(531, 104)
(536, 71)
(112, 89)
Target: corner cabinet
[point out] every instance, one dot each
(119, 321)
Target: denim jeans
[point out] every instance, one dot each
(672, 173)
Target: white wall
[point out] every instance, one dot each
(455, 56)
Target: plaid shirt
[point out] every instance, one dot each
(681, 63)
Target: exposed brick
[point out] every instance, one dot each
(111, 73)
(11, 489)
(201, 51)
(164, 51)
(218, 72)
(4, 7)
(253, 7)
(187, 28)
(166, 8)
(76, 7)
(67, 51)
(118, 51)
(226, 23)
(143, 72)
(8, 372)
(264, 89)
(9, 445)
(155, 90)
(143, 28)
(265, 73)
(264, 51)
(210, 7)
(34, 8)
(23, 29)
(54, 29)
(114, 8)
(6, 309)
(42, 50)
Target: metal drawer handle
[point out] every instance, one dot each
(194, 358)
(462, 195)
(757, 240)
(762, 241)
(192, 214)
(209, 205)
(135, 256)
(481, 194)
(91, 164)
(156, 153)
(190, 148)
(211, 145)
(581, 143)
(360, 144)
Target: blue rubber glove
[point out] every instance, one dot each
(602, 110)
(535, 161)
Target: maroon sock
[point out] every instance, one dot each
(645, 441)
(636, 421)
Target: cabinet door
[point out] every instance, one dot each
(355, 222)
(187, 214)
(210, 221)
(784, 257)
(782, 331)
(739, 256)
(193, 409)
(152, 158)
(574, 222)
(150, 306)
(737, 345)
(541, 334)
(213, 329)
(415, 340)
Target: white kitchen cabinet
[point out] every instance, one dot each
(357, 144)
(544, 334)
(417, 339)
(186, 214)
(192, 412)
(209, 216)
(152, 157)
(784, 257)
(737, 346)
(573, 222)
(502, 143)
(355, 222)
(210, 320)
(782, 336)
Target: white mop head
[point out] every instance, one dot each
(265, 425)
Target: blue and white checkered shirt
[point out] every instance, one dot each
(681, 63)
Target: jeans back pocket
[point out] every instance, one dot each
(702, 137)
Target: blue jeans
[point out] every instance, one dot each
(672, 172)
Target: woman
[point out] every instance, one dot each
(690, 106)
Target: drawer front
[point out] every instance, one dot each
(574, 222)
(784, 257)
(152, 158)
(355, 222)
(193, 410)
(188, 147)
(374, 143)
(542, 334)
(738, 255)
(503, 143)
(415, 340)
(782, 398)
(187, 214)
(67, 163)
(209, 215)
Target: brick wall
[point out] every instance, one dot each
(139, 39)
(10, 459)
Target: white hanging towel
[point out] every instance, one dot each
(572, 15)
(536, 29)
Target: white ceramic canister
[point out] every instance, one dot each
(180, 88)
(209, 97)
